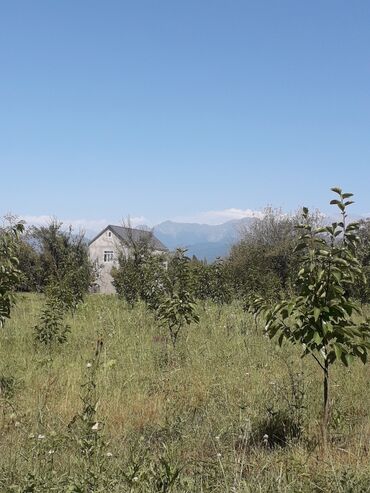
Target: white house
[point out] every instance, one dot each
(104, 250)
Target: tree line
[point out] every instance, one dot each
(263, 262)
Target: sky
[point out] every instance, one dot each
(189, 110)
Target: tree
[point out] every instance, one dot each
(361, 290)
(321, 317)
(178, 307)
(220, 282)
(154, 280)
(201, 275)
(51, 329)
(32, 278)
(64, 259)
(10, 274)
(127, 279)
(262, 262)
(139, 274)
(137, 243)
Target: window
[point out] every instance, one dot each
(108, 256)
(109, 234)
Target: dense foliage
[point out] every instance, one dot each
(177, 307)
(9, 268)
(51, 328)
(212, 281)
(52, 258)
(139, 273)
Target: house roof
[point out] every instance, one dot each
(127, 234)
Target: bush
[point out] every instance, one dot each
(51, 329)
(9, 268)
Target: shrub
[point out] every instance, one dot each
(9, 268)
(51, 329)
(178, 307)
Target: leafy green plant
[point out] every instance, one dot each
(51, 329)
(10, 274)
(220, 285)
(212, 281)
(154, 281)
(140, 274)
(127, 279)
(322, 318)
(178, 307)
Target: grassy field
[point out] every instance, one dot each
(226, 411)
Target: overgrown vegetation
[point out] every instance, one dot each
(229, 411)
(9, 268)
(53, 257)
(232, 412)
(177, 308)
(51, 329)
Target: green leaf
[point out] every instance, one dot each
(316, 313)
(317, 338)
(338, 351)
(336, 190)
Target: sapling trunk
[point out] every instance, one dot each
(174, 334)
(326, 410)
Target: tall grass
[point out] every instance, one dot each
(226, 411)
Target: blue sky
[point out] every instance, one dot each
(182, 109)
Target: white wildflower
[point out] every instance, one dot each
(40, 437)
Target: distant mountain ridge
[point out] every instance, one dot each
(205, 241)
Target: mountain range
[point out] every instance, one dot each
(205, 241)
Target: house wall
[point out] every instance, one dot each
(103, 243)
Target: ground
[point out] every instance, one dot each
(225, 411)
